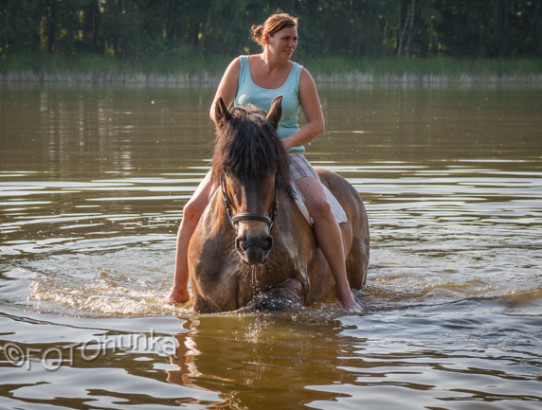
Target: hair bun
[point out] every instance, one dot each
(257, 34)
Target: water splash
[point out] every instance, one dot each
(99, 298)
(254, 278)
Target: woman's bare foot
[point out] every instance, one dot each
(177, 296)
(348, 301)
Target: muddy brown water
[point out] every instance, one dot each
(92, 184)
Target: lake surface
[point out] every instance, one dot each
(92, 185)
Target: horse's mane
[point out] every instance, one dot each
(248, 148)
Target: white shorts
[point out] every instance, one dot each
(300, 167)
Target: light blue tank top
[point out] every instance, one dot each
(248, 92)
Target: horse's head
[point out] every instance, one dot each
(251, 167)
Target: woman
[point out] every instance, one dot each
(257, 79)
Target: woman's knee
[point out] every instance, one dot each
(193, 210)
(319, 208)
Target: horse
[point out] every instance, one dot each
(253, 249)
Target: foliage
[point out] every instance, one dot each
(187, 29)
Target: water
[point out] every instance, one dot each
(92, 183)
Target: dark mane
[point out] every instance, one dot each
(248, 148)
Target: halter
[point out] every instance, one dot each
(247, 216)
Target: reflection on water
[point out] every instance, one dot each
(92, 183)
(247, 358)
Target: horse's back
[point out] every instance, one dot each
(355, 230)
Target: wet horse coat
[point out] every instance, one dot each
(252, 247)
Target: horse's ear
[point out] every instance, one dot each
(222, 115)
(275, 112)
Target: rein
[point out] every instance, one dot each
(245, 216)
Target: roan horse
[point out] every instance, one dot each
(252, 247)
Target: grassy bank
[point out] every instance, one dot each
(93, 69)
(173, 70)
(435, 71)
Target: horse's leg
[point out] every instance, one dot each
(286, 295)
(201, 305)
(356, 263)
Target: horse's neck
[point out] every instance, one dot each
(289, 217)
(215, 217)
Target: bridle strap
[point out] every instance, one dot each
(248, 216)
(235, 219)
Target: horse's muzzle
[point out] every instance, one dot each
(254, 251)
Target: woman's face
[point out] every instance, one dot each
(283, 42)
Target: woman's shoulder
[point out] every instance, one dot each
(305, 76)
(235, 66)
(236, 61)
(232, 73)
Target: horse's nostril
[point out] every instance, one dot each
(243, 244)
(240, 244)
(269, 244)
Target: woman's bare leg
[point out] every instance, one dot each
(192, 212)
(328, 235)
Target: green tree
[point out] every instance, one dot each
(21, 25)
(347, 28)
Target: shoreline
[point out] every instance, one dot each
(88, 70)
(350, 79)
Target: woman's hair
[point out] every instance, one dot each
(273, 24)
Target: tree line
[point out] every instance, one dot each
(140, 29)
